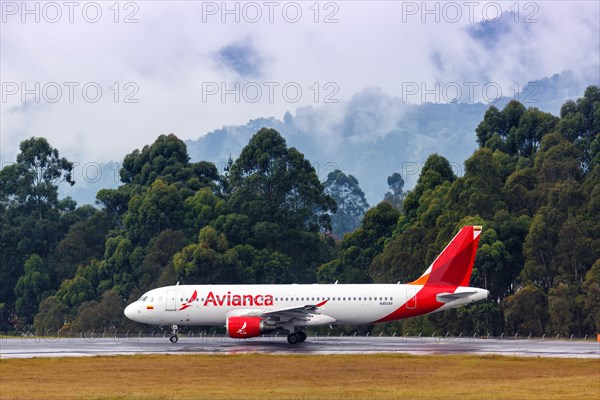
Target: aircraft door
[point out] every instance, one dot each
(411, 298)
(171, 304)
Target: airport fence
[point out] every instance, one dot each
(213, 335)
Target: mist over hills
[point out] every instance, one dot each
(373, 135)
(370, 136)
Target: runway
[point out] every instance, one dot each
(74, 347)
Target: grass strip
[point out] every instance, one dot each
(260, 376)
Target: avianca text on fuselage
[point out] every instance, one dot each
(250, 310)
(236, 300)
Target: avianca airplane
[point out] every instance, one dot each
(250, 310)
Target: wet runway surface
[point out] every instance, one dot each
(68, 347)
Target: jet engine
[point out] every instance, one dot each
(241, 327)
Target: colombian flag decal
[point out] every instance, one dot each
(149, 307)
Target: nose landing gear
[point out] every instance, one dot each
(174, 338)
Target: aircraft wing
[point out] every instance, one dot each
(309, 312)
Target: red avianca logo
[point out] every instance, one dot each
(189, 302)
(230, 300)
(238, 300)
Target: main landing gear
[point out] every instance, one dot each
(174, 330)
(296, 337)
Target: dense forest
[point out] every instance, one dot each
(533, 183)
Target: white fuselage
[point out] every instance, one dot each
(338, 304)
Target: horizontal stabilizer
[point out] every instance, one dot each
(448, 297)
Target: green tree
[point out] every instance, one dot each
(358, 248)
(573, 253)
(396, 194)
(436, 171)
(511, 114)
(73, 292)
(538, 248)
(563, 310)
(114, 202)
(493, 124)
(482, 191)
(51, 316)
(31, 287)
(403, 259)
(33, 180)
(211, 261)
(83, 242)
(526, 311)
(580, 124)
(166, 158)
(492, 264)
(160, 207)
(279, 191)
(525, 139)
(105, 314)
(202, 208)
(159, 257)
(350, 200)
(558, 160)
(121, 266)
(591, 298)
(32, 218)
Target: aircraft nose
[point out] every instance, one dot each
(130, 311)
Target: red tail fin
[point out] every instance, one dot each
(454, 265)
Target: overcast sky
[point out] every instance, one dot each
(99, 81)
